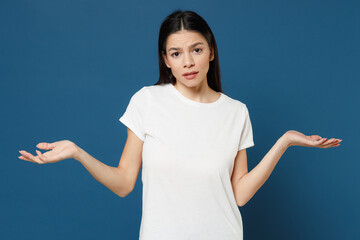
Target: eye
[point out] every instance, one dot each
(198, 49)
(173, 54)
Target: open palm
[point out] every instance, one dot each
(58, 151)
(296, 138)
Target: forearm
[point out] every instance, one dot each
(113, 178)
(251, 182)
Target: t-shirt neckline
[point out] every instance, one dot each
(192, 102)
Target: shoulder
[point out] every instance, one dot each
(150, 89)
(235, 103)
(155, 88)
(145, 93)
(153, 92)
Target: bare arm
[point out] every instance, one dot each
(112, 177)
(120, 180)
(251, 182)
(246, 186)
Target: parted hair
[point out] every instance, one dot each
(187, 20)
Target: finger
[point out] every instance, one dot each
(41, 156)
(319, 142)
(318, 137)
(45, 145)
(328, 142)
(23, 158)
(332, 145)
(335, 143)
(46, 157)
(315, 137)
(31, 157)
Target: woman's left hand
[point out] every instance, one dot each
(295, 138)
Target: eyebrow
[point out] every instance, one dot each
(195, 44)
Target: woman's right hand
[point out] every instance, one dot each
(58, 151)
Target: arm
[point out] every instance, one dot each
(246, 186)
(250, 183)
(113, 178)
(120, 180)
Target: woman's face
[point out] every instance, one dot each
(188, 51)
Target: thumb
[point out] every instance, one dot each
(318, 137)
(315, 137)
(45, 146)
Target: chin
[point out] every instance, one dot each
(190, 83)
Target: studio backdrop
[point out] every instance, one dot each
(69, 68)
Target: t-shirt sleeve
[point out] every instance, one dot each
(135, 113)
(246, 138)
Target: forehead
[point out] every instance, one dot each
(184, 38)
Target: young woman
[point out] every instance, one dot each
(191, 141)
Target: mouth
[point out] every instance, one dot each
(190, 73)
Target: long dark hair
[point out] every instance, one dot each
(191, 21)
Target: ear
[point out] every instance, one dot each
(211, 55)
(165, 59)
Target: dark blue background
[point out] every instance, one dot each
(69, 68)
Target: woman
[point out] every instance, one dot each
(191, 139)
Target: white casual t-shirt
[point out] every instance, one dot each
(188, 157)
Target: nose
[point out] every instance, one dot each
(188, 60)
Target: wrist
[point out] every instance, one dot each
(285, 141)
(78, 153)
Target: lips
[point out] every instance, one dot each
(190, 73)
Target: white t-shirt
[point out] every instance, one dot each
(188, 157)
